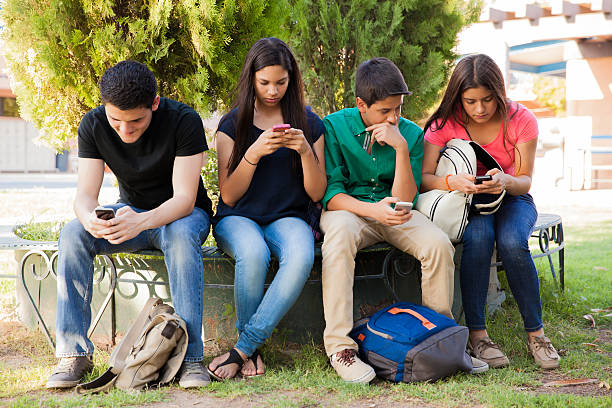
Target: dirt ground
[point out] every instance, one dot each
(21, 347)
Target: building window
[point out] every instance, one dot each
(8, 107)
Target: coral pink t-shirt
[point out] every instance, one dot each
(522, 127)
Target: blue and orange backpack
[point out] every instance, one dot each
(406, 342)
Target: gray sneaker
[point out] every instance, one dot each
(350, 367)
(193, 374)
(478, 366)
(69, 372)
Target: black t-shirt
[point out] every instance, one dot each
(144, 168)
(275, 190)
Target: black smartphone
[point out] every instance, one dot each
(480, 179)
(104, 213)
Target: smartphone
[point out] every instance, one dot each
(104, 213)
(480, 179)
(281, 128)
(403, 205)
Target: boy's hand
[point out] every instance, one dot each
(95, 225)
(386, 133)
(383, 213)
(126, 225)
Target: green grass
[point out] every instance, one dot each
(300, 375)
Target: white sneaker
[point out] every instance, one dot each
(350, 368)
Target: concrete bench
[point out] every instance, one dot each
(123, 282)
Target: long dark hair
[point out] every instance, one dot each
(473, 71)
(266, 52)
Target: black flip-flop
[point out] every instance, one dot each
(254, 358)
(233, 358)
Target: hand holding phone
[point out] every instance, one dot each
(480, 179)
(281, 128)
(403, 205)
(104, 213)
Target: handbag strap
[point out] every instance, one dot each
(120, 353)
(117, 359)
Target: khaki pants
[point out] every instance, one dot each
(346, 233)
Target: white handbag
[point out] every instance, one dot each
(449, 210)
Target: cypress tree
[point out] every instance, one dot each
(332, 37)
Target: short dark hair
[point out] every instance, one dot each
(128, 85)
(377, 79)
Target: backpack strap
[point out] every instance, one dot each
(120, 353)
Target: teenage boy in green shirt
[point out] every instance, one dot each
(373, 158)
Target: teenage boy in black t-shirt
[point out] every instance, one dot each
(154, 146)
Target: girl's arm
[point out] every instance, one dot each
(429, 180)
(315, 179)
(233, 186)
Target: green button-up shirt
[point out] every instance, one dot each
(351, 170)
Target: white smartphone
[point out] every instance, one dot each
(403, 205)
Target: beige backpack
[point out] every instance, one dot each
(150, 353)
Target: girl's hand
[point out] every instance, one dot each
(294, 139)
(267, 143)
(463, 182)
(495, 186)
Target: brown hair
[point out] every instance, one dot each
(473, 71)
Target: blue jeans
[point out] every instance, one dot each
(181, 243)
(250, 244)
(510, 227)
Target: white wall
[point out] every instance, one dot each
(18, 151)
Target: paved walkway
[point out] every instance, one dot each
(25, 181)
(56, 192)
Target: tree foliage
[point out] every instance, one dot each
(550, 91)
(332, 37)
(57, 50)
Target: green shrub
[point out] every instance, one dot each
(57, 50)
(40, 231)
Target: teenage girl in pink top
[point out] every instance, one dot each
(475, 107)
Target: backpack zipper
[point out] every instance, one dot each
(378, 333)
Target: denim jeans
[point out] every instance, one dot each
(180, 241)
(250, 244)
(509, 228)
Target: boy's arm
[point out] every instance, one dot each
(416, 161)
(408, 157)
(89, 181)
(335, 168)
(404, 185)
(185, 177)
